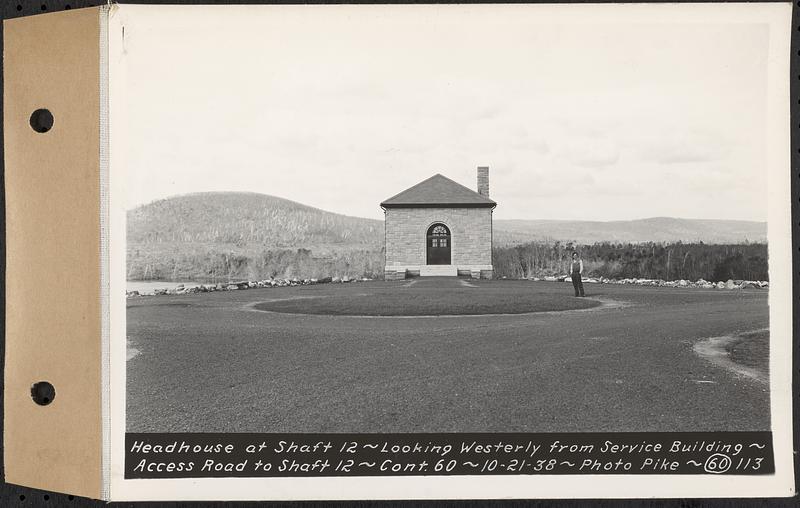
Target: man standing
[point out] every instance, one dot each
(576, 270)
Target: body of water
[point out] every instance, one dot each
(148, 286)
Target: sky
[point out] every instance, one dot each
(342, 107)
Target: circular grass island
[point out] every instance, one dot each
(431, 301)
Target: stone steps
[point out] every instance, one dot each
(438, 271)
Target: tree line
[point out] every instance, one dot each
(667, 261)
(214, 265)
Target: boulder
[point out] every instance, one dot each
(730, 284)
(336, 280)
(231, 287)
(345, 279)
(682, 283)
(325, 280)
(720, 285)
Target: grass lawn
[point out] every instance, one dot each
(751, 349)
(412, 300)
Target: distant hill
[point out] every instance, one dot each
(218, 236)
(223, 236)
(657, 229)
(240, 218)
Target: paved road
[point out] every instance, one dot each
(212, 363)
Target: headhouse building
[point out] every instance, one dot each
(440, 228)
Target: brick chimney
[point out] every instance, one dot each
(483, 180)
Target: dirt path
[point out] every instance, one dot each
(717, 350)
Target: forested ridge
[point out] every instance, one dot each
(241, 218)
(666, 261)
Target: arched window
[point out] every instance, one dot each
(439, 230)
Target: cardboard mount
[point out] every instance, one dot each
(53, 254)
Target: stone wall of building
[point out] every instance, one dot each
(470, 229)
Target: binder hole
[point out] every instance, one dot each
(42, 120)
(67, 7)
(44, 7)
(22, 497)
(47, 497)
(19, 7)
(43, 393)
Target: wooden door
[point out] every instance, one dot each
(438, 245)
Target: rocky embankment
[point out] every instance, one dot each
(183, 289)
(704, 284)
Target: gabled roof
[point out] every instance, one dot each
(438, 191)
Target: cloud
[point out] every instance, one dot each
(678, 154)
(684, 148)
(591, 152)
(487, 112)
(521, 139)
